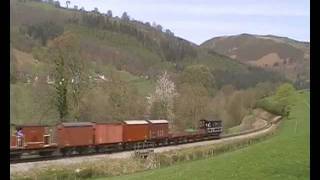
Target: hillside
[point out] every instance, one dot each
(286, 155)
(116, 53)
(281, 54)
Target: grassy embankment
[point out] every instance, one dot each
(284, 156)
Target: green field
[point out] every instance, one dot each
(284, 156)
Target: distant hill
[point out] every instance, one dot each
(281, 54)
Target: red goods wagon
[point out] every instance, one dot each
(135, 130)
(34, 137)
(158, 129)
(108, 133)
(75, 134)
(13, 141)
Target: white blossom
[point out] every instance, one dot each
(165, 93)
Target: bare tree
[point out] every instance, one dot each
(67, 3)
(163, 96)
(125, 16)
(109, 13)
(96, 10)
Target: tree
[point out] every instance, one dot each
(148, 24)
(264, 89)
(96, 10)
(57, 4)
(44, 31)
(284, 96)
(70, 74)
(162, 100)
(191, 105)
(169, 33)
(235, 109)
(125, 17)
(159, 28)
(198, 75)
(154, 24)
(227, 89)
(124, 100)
(13, 67)
(67, 3)
(109, 13)
(61, 87)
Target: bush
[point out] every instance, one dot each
(270, 105)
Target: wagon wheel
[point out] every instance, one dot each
(45, 153)
(15, 156)
(98, 149)
(65, 151)
(83, 150)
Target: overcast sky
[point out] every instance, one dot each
(200, 20)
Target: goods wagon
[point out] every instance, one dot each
(35, 137)
(106, 133)
(211, 127)
(85, 137)
(158, 129)
(135, 130)
(75, 134)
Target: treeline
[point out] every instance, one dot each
(196, 96)
(42, 31)
(281, 102)
(242, 80)
(165, 44)
(153, 37)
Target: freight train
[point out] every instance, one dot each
(84, 137)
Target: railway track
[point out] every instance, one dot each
(60, 156)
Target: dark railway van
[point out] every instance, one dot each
(212, 127)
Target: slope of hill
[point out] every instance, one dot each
(107, 38)
(135, 51)
(280, 54)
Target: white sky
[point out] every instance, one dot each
(200, 20)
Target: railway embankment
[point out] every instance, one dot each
(126, 162)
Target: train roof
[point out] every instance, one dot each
(29, 125)
(162, 121)
(136, 122)
(77, 124)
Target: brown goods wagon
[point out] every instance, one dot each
(158, 129)
(34, 136)
(75, 134)
(13, 141)
(108, 133)
(135, 130)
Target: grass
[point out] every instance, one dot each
(284, 156)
